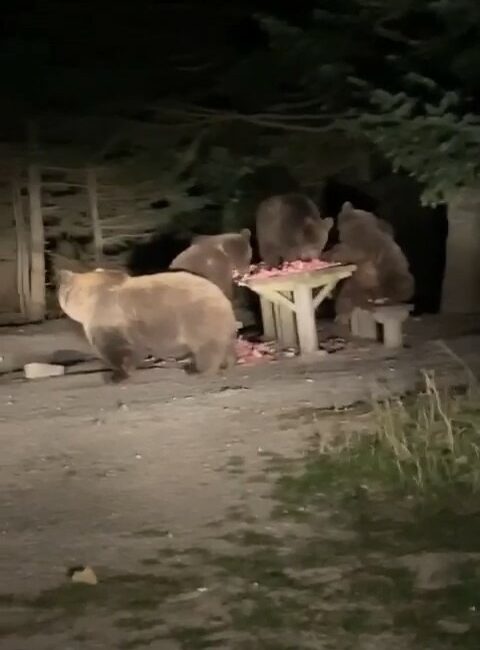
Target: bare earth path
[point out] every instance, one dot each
(163, 485)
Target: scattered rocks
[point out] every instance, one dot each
(42, 370)
(453, 627)
(83, 575)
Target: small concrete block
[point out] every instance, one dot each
(392, 317)
(363, 324)
(41, 370)
(390, 313)
(392, 334)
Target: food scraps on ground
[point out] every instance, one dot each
(332, 344)
(251, 352)
(259, 271)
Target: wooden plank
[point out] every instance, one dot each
(306, 326)
(362, 324)
(286, 325)
(23, 258)
(277, 298)
(324, 293)
(268, 319)
(312, 279)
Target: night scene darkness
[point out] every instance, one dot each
(240, 325)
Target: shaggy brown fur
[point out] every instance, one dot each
(126, 319)
(382, 268)
(216, 257)
(289, 228)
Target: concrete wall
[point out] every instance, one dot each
(461, 286)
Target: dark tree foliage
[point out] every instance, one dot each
(403, 73)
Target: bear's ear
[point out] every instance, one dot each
(327, 223)
(347, 207)
(197, 239)
(246, 234)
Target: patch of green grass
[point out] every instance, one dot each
(276, 463)
(239, 512)
(150, 532)
(129, 592)
(150, 561)
(197, 638)
(251, 538)
(262, 566)
(432, 440)
(427, 446)
(266, 611)
(138, 622)
(236, 461)
(422, 612)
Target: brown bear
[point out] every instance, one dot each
(289, 228)
(382, 268)
(217, 257)
(126, 319)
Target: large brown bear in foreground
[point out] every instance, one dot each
(125, 318)
(289, 228)
(382, 268)
(216, 257)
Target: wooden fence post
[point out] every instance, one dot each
(23, 248)
(37, 234)
(94, 216)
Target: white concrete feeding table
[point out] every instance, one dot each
(288, 303)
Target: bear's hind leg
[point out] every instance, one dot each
(344, 303)
(209, 358)
(114, 348)
(230, 358)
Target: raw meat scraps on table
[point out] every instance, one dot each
(259, 271)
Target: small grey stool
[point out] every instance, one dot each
(364, 323)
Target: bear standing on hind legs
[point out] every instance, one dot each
(382, 268)
(126, 319)
(289, 228)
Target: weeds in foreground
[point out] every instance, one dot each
(433, 439)
(428, 442)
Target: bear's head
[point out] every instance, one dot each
(236, 247)
(313, 237)
(78, 292)
(352, 221)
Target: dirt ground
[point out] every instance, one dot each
(166, 487)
